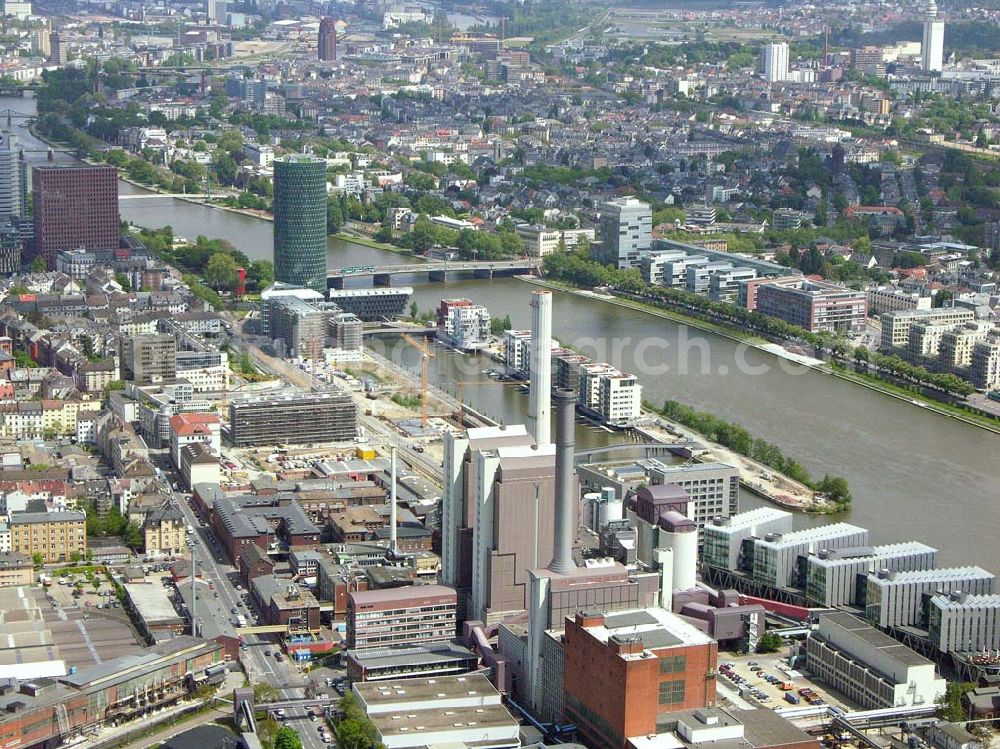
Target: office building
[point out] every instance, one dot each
(300, 325)
(697, 275)
(727, 542)
(932, 47)
(347, 330)
(58, 48)
(700, 215)
(896, 325)
(58, 536)
(410, 661)
(215, 10)
(298, 419)
(623, 670)
(814, 305)
(373, 305)
(897, 598)
(300, 221)
(280, 290)
(833, 575)
(784, 219)
(463, 710)
(410, 615)
(626, 229)
(462, 324)
(75, 207)
(713, 489)
(869, 667)
(149, 359)
(653, 265)
(963, 623)
(12, 188)
(775, 557)
(327, 47)
(775, 62)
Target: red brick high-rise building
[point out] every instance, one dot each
(327, 40)
(75, 206)
(623, 670)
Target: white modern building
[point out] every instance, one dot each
(723, 537)
(896, 599)
(775, 556)
(626, 231)
(620, 398)
(462, 324)
(932, 48)
(959, 623)
(869, 667)
(832, 574)
(775, 62)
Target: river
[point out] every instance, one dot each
(915, 475)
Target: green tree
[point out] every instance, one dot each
(38, 265)
(133, 536)
(37, 559)
(286, 738)
(220, 273)
(769, 643)
(260, 274)
(950, 707)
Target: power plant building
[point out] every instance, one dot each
(833, 575)
(897, 599)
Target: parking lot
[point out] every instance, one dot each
(764, 678)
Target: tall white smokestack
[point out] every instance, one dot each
(392, 500)
(540, 392)
(566, 508)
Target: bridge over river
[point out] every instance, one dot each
(440, 271)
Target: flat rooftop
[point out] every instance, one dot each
(152, 602)
(657, 627)
(451, 719)
(871, 638)
(388, 696)
(749, 519)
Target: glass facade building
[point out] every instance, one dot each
(300, 221)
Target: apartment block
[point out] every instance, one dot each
(401, 616)
(462, 324)
(298, 419)
(896, 325)
(985, 365)
(57, 536)
(626, 231)
(896, 599)
(893, 299)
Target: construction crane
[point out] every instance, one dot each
(425, 360)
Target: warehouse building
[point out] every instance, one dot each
(896, 599)
(298, 419)
(869, 667)
(833, 575)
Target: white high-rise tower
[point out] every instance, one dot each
(11, 189)
(540, 386)
(932, 49)
(775, 62)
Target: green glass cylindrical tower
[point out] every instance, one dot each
(300, 221)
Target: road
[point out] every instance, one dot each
(260, 668)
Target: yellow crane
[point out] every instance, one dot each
(425, 360)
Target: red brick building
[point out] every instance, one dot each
(624, 670)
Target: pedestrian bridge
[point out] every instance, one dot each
(437, 271)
